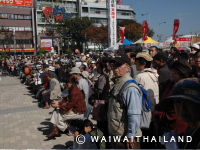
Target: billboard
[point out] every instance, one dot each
(182, 42)
(27, 3)
(46, 42)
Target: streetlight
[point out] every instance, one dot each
(159, 30)
(14, 41)
(149, 17)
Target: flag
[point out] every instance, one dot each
(144, 30)
(176, 26)
(122, 31)
(120, 2)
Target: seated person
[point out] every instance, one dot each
(78, 129)
(53, 93)
(71, 109)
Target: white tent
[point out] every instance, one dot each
(113, 48)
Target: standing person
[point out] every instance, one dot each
(194, 48)
(93, 72)
(196, 71)
(172, 51)
(153, 51)
(186, 102)
(159, 61)
(101, 89)
(124, 121)
(133, 71)
(148, 79)
(4, 66)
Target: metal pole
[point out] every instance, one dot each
(14, 43)
(149, 20)
(68, 43)
(159, 36)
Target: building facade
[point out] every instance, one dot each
(19, 23)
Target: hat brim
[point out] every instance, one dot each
(117, 60)
(169, 101)
(75, 73)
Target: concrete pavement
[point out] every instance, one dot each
(23, 125)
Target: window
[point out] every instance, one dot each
(16, 17)
(4, 16)
(1, 42)
(21, 28)
(16, 28)
(85, 9)
(20, 16)
(10, 16)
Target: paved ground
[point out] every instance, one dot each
(23, 125)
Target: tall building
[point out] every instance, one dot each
(18, 19)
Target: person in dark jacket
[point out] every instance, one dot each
(159, 61)
(60, 72)
(170, 60)
(4, 66)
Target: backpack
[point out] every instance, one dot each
(145, 119)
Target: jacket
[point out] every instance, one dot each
(5, 65)
(56, 92)
(148, 79)
(60, 74)
(76, 101)
(164, 75)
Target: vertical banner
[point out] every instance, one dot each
(120, 2)
(122, 31)
(112, 23)
(144, 30)
(176, 26)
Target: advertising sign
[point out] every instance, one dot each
(112, 23)
(46, 42)
(27, 3)
(181, 43)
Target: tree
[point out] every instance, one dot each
(97, 35)
(133, 30)
(7, 35)
(73, 27)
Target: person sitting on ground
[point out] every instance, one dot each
(53, 93)
(72, 108)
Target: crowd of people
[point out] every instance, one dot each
(75, 84)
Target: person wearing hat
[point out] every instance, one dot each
(167, 119)
(59, 71)
(82, 83)
(159, 61)
(93, 72)
(148, 79)
(129, 126)
(194, 48)
(185, 100)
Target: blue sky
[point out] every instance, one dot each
(188, 11)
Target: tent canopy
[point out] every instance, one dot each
(149, 40)
(126, 42)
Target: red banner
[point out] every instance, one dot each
(176, 26)
(144, 30)
(122, 31)
(120, 2)
(28, 3)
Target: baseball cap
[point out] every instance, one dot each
(121, 58)
(160, 55)
(184, 90)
